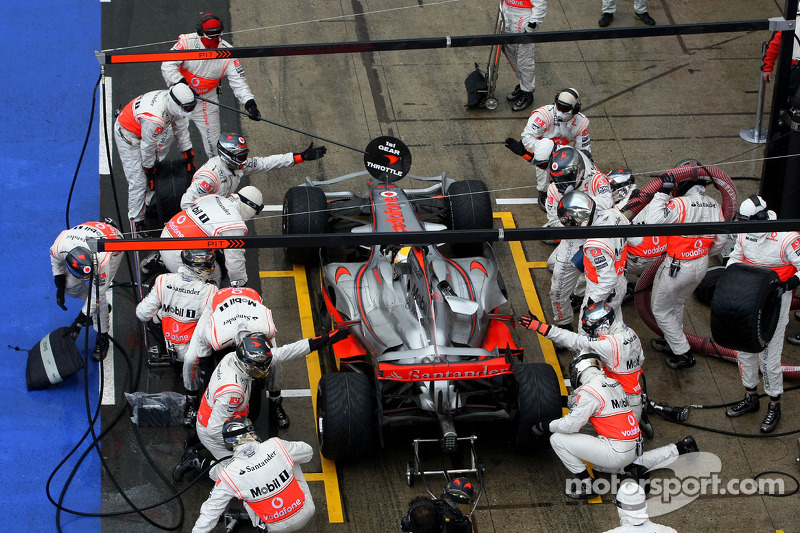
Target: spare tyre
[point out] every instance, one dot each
(745, 307)
(171, 181)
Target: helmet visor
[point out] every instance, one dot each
(188, 107)
(564, 107)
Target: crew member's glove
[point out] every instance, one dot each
(518, 148)
(101, 347)
(332, 337)
(310, 153)
(150, 174)
(667, 183)
(188, 159)
(61, 287)
(541, 429)
(531, 27)
(252, 109)
(534, 324)
(789, 285)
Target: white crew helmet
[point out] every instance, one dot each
(250, 200)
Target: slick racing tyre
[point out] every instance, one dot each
(745, 307)
(171, 182)
(344, 415)
(305, 212)
(469, 207)
(539, 400)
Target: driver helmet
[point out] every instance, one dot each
(232, 149)
(237, 430)
(200, 262)
(582, 362)
(79, 262)
(567, 169)
(576, 208)
(254, 353)
(597, 319)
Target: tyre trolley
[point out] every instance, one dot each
(488, 100)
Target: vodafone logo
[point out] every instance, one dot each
(277, 502)
(698, 244)
(388, 194)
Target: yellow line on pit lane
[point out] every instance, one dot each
(328, 476)
(525, 278)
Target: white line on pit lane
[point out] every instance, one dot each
(296, 393)
(516, 201)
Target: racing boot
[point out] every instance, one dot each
(515, 94)
(680, 362)
(140, 229)
(580, 487)
(660, 345)
(772, 418)
(191, 460)
(100, 347)
(190, 415)
(523, 102)
(639, 474)
(645, 17)
(748, 405)
(281, 418)
(687, 445)
(605, 20)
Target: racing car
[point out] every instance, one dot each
(428, 343)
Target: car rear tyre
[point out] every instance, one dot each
(539, 400)
(745, 307)
(305, 212)
(470, 207)
(344, 415)
(170, 184)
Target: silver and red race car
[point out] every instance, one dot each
(428, 342)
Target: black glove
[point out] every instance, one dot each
(791, 284)
(101, 347)
(667, 183)
(531, 27)
(61, 286)
(311, 153)
(332, 337)
(80, 321)
(188, 159)
(517, 147)
(150, 174)
(252, 109)
(541, 429)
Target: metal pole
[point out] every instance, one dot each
(757, 135)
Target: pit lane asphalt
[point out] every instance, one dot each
(652, 102)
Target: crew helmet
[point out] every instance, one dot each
(597, 319)
(459, 490)
(567, 169)
(250, 201)
(79, 262)
(254, 353)
(753, 208)
(585, 360)
(621, 182)
(200, 262)
(232, 149)
(181, 100)
(568, 101)
(576, 208)
(237, 430)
